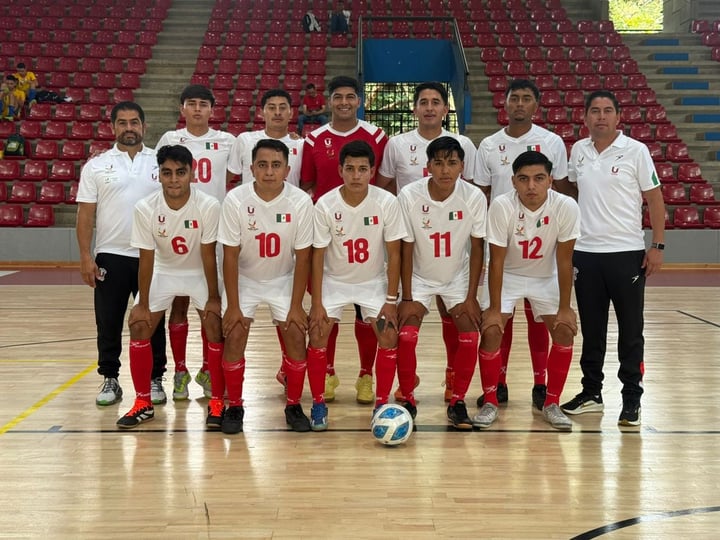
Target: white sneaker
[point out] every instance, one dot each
(180, 385)
(109, 393)
(555, 417)
(157, 392)
(486, 416)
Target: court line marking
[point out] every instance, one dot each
(52, 395)
(699, 318)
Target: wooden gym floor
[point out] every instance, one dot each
(66, 472)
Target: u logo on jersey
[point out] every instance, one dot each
(161, 218)
(338, 216)
(425, 208)
(614, 170)
(251, 210)
(501, 148)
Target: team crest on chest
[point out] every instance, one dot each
(329, 150)
(426, 223)
(519, 229)
(161, 230)
(339, 231)
(252, 224)
(413, 154)
(504, 160)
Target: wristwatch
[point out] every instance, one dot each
(657, 245)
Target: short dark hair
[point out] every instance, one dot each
(11, 78)
(531, 158)
(127, 106)
(444, 147)
(341, 81)
(175, 152)
(197, 91)
(522, 84)
(272, 144)
(309, 86)
(438, 87)
(357, 149)
(275, 92)
(21, 65)
(601, 94)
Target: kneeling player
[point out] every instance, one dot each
(175, 231)
(355, 225)
(532, 232)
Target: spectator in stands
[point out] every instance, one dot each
(310, 22)
(321, 173)
(27, 82)
(405, 162)
(340, 19)
(493, 173)
(13, 99)
(110, 185)
(312, 110)
(610, 174)
(210, 149)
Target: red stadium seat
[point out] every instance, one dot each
(689, 172)
(11, 215)
(497, 84)
(636, 81)
(565, 131)
(103, 80)
(631, 115)
(22, 192)
(687, 218)
(9, 170)
(545, 82)
(71, 196)
(641, 132)
(665, 173)
(35, 170)
(89, 112)
(97, 147)
(556, 115)
(591, 82)
(656, 115)
(31, 129)
(223, 81)
(666, 133)
(620, 52)
(711, 217)
(577, 115)
(656, 151)
(511, 53)
(574, 98)
(623, 96)
(122, 94)
(73, 150)
(646, 219)
(577, 53)
(75, 94)
(585, 67)
(40, 216)
(40, 111)
(550, 98)
(599, 53)
(539, 67)
(51, 193)
(677, 152)
(128, 80)
(555, 53)
(62, 171)
(101, 96)
(606, 67)
(629, 67)
(674, 194)
(571, 39)
(567, 82)
(3, 192)
(114, 65)
(562, 67)
(45, 150)
(703, 194)
(6, 129)
(81, 130)
(83, 79)
(104, 131)
(646, 96)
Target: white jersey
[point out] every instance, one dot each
(355, 236)
(176, 235)
(531, 238)
(241, 155)
(114, 182)
(441, 229)
(610, 187)
(210, 157)
(405, 158)
(268, 233)
(496, 153)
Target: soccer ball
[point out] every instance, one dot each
(391, 425)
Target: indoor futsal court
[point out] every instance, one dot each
(69, 473)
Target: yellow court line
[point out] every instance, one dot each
(59, 390)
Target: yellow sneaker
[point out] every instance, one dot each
(364, 387)
(331, 383)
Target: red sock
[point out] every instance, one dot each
(505, 346)
(234, 378)
(217, 375)
(205, 350)
(178, 344)
(558, 367)
(330, 350)
(450, 337)
(141, 363)
(465, 360)
(407, 361)
(385, 367)
(295, 373)
(539, 341)
(367, 347)
(490, 363)
(316, 362)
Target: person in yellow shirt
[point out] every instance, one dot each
(27, 81)
(13, 99)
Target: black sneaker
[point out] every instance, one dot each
(296, 419)
(458, 416)
(142, 411)
(584, 403)
(630, 415)
(539, 393)
(412, 409)
(216, 412)
(502, 395)
(232, 422)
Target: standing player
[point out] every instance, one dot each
(210, 149)
(442, 255)
(320, 174)
(531, 231)
(110, 185)
(266, 232)
(175, 230)
(277, 111)
(356, 224)
(610, 174)
(493, 173)
(404, 162)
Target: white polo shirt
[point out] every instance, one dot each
(405, 157)
(115, 183)
(241, 155)
(610, 187)
(496, 153)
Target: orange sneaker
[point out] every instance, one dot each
(448, 384)
(398, 393)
